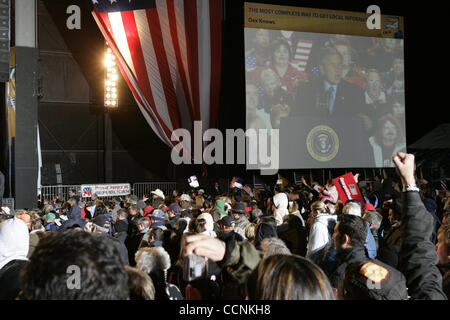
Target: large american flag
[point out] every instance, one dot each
(169, 52)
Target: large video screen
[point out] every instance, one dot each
(338, 100)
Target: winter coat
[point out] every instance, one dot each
(320, 234)
(121, 248)
(294, 234)
(241, 258)
(418, 258)
(345, 258)
(280, 200)
(266, 229)
(14, 246)
(73, 219)
(327, 259)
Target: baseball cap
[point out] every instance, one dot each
(368, 207)
(227, 221)
(50, 216)
(158, 214)
(374, 280)
(174, 207)
(133, 199)
(141, 204)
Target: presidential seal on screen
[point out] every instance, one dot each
(322, 143)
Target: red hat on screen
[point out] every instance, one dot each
(369, 207)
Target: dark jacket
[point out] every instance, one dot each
(312, 100)
(226, 235)
(418, 258)
(122, 249)
(10, 279)
(241, 258)
(74, 219)
(294, 234)
(266, 229)
(132, 224)
(344, 259)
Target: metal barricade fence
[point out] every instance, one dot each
(142, 188)
(51, 192)
(138, 189)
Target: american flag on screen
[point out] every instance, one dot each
(169, 52)
(301, 54)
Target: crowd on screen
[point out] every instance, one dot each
(293, 74)
(288, 242)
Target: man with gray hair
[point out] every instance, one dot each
(374, 219)
(354, 207)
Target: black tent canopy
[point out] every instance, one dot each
(438, 138)
(432, 152)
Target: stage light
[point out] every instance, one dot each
(111, 78)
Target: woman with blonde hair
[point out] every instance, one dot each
(322, 229)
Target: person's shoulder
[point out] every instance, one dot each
(351, 87)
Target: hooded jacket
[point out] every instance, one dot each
(280, 200)
(220, 205)
(320, 233)
(14, 246)
(266, 229)
(209, 224)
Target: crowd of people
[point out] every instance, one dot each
(296, 242)
(328, 77)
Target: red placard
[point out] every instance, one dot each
(347, 188)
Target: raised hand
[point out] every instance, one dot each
(404, 165)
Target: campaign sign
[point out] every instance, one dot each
(106, 190)
(347, 188)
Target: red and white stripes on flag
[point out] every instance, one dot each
(170, 55)
(302, 53)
